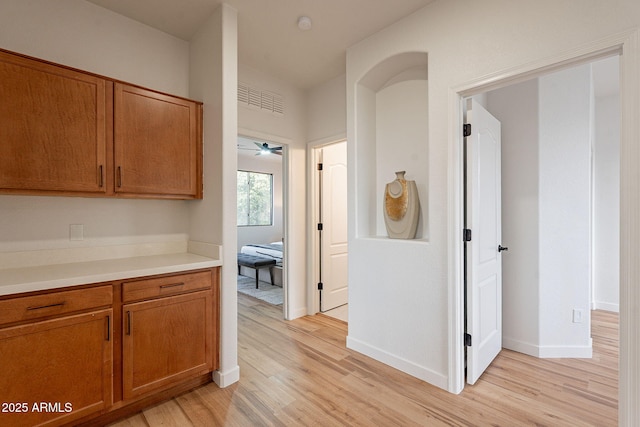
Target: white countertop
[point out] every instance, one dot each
(28, 279)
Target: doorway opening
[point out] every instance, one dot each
(261, 215)
(329, 241)
(587, 174)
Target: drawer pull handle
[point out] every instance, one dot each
(128, 323)
(173, 285)
(39, 307)
(108, 328)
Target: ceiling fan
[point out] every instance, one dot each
(263, 149)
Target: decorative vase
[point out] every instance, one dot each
(401, 208)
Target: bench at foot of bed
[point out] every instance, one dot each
(256, 262)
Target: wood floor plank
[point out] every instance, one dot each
(169, 414)
(300, 373)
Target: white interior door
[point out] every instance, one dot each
(483, 259)
(333, 237)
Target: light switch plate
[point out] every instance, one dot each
(577, 316)
(76, 232)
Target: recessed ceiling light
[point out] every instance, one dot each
(304, 23)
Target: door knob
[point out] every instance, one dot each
(502, 248)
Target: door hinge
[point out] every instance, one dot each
(467, 340)
(466, 235)
(466, 129)
(320, 226)
(319, 166)
(320, 286)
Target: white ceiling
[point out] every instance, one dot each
(268, 36)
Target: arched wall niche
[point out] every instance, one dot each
(392, 134)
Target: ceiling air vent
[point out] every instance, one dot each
(260, 99)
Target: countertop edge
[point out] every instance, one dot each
(55, 276)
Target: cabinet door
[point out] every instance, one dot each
(166, 340)
(157, 144)
(52, 128)
(56, 371)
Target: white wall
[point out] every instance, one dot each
(564, 156)
(264, 233)
(516, 107)
(327, 111)
(81, 35)
(495, 42)
(390, 304)
(401, 144)
(288, 129)
(213, 78)
(606, 203)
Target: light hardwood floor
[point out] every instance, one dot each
(299, 373)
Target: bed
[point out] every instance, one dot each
(269, 250)
(272, 250)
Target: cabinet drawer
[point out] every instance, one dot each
(53, 304)
(166, 285)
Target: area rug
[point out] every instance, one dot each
(265, 292)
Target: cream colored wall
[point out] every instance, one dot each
(496, 36)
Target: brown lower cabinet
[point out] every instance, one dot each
(85, 354)
(56, 370)
(166, 340)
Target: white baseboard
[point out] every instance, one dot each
(225, 379)
(607, 306)
(574, 352)
(549, 352)
(295, 313)
(521, 347)
(406, 366)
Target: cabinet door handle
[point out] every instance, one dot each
(108, 328)
(173, 285)
(128, 323)
(39, 307)
(100, 177)
(119, 176)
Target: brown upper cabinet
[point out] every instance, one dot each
(155, 143)
(67, 132)
(53, 134)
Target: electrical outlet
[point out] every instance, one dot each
(577, 316)
(76, 232)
